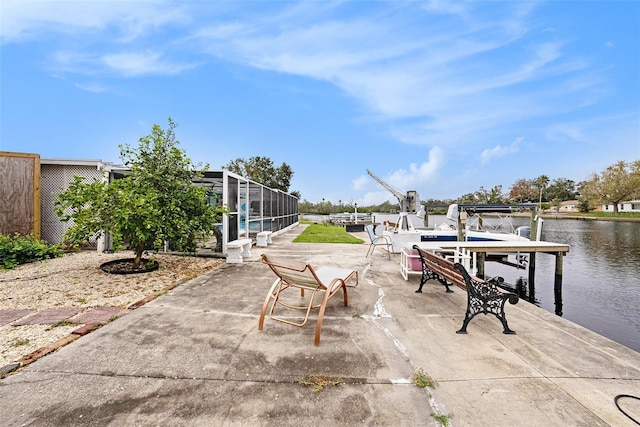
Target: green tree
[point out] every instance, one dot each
(618, 183)
(261, 170)
(468, 199)
(522, 191)
(561, 188)
(492, 197)
(541, 183)
(156, 202)
(483, 196)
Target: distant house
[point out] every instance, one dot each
(630, 206)
(569, 206)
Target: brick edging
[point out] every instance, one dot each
(82, 331)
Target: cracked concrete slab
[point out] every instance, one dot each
(195, 357)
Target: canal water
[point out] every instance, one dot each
(601, 277)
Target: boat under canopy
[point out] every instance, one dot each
(462, 223)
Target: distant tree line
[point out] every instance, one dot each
(618, 183)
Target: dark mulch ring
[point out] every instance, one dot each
(125, 266)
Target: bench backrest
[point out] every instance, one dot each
(441, 266)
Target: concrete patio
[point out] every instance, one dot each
(195, 357)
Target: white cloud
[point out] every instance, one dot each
(414, 177)
(360, 182)
(84, 30)
(371, 198)
(450, 70)
(418, 174)
(434, 73)
(92, 87)
(499, 151)
(132, 64)
(24, 20)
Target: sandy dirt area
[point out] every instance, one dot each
(76, 280)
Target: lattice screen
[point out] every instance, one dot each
(53, 180)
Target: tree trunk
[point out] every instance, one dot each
(218, 234)
(138, 258)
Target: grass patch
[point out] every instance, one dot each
(607, 214)
(326, 233)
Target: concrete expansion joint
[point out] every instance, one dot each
(379, 312)
(354, 381)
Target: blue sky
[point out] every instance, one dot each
(441, 97)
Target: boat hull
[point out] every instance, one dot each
(401, 239)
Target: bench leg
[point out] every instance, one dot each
(234, 255)
(261, 241)
(246, 251)
(428, 275)
(494, 306)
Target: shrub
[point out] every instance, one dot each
(17, 249)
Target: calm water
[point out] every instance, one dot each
(601, 277)
(601, 274)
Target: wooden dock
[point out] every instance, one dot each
(480, 249)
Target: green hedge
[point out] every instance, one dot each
(17, 249)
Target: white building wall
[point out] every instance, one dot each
(630, 206)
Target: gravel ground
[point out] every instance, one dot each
(76, 280)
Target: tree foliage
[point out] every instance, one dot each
(261, 170)
(560, 188)
(618, 183)
(156, 202)
(18, 249)
(523, 190)
(483, 196)
(541, 183)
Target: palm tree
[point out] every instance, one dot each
(541, 182)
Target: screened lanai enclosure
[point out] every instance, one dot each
(253, 207)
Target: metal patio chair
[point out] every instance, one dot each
(377, 241)
(324, 281)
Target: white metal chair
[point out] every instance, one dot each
(378, 241)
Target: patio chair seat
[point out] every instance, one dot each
(324, 282)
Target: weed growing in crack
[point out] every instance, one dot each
(421, 379)
(319, 382)
(64, 322)
(442, 419)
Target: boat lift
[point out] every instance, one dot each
(408, 202)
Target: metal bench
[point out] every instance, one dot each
(483, 296)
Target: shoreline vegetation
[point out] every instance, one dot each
(597, 216)
(591, 216)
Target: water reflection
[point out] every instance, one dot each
(601, 289)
